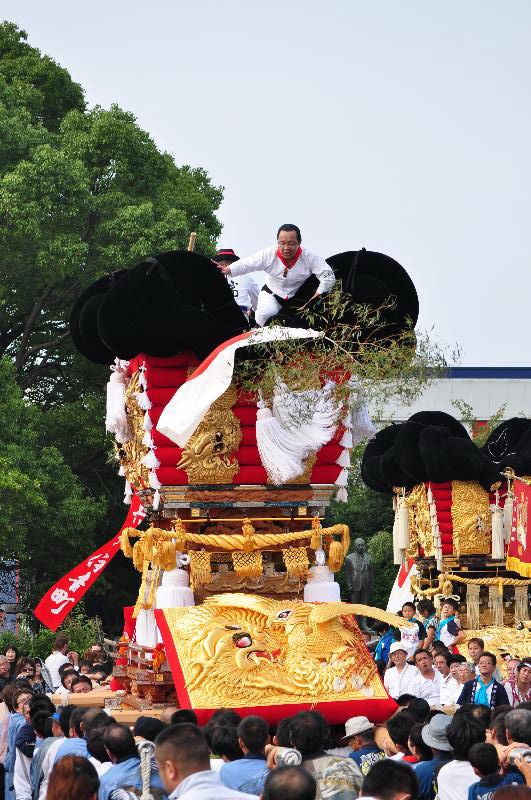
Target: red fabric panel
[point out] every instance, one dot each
(171, 476)
(325, 473)
(160, 378)
(328, 454)
(335, 713)
(160, 397)
(246, 414)
(442, 494)
(251, 475)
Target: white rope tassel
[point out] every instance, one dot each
(344, 458)
(153, 480)
(403, 524)
(346, 439)
(115, 415)
(508, 516)
(342, 495)
(143, 400)
(397, 555)
(147, 439)
(342, 478)
(311, 416)
(498, 548)
(156, 500)
(121, 471)
(280, 450)
(150, 460)
(148, 425)
(128, 493)
(360, 420)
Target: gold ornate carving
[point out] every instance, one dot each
(200, 573)
(208, 456)
(419, 522)
(131, 452)
(243, 650)
(470, 518)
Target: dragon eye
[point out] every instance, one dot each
(284, 614)
(242, 639)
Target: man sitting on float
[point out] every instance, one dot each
(287, 266)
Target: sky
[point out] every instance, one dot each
(402, 126)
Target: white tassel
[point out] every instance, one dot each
(154, 481)
(346, 439)
(403, 524)
(397, 556)
(360, 420)
(150, 460)
(156, 500)
(344, 458)
(280, 453)
(342, 478)
(143, 400)
(311, 416)
(498, 549)
(115, 416)
(147, 439)
(148, 425)
(142, 379)
(121, 471)
(508, 517)
(342, 495)
(430, 495)
(128, 493)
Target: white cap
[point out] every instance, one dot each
(397, 646)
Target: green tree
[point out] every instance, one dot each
(380, 547)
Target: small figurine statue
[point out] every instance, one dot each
(359, 576)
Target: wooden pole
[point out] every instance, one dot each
(191, 241)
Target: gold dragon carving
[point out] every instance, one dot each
(471, 518)
(208, 456)
(131, 452)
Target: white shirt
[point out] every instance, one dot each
(206, 786)
(245, 290)
(430, 688)
(21, 776)
(267, 260)
(404, 682)
(454, 780)
(450, 690)
(52, 664)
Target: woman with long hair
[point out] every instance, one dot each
(73, 778)
(11, 653)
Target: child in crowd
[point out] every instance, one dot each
(426, 615)
(449, 630)
(484, 760)
(412, 638)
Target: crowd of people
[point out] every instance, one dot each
(460, 732)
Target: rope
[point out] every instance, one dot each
(489, 581)
(146, 751)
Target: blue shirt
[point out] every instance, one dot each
(425, 772)
(72, 747)
(246, 774)
(366, 757)
(485, 788)
(382, 648)
(126, 773)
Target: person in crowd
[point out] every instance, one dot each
(147, 728)
(511, 665)
(484, 689)
(184, 715)
(398, 728)
(225, 745)
(21, 697)
(100, 659)
(57, 658)
(449, 630)
(5, 679)
(125, 771)
(455, 664)
(476, 648)
(426, 614)
(40, 778)
(287, 266)
(486, 765)
(248, 774)
(417, 746)
(11, 654)
(419, 709)
(450, 689)
(381, 653)
(517, 730)
(359, 734)
(81, 684)
(496, 732)
(28, 742)
(68, 674)
(455, 778)
(98, 755)
(412, 638)
(518, 687)
(434, 736)
(467, 672)
(73, 778)
(289, 783)
(75, 744)
(401, 677)
(429, 679)
(390, 780)
(40, 683)
(333, 774)
(244, 288)
(183, 759)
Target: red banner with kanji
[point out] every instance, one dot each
(61, 598)
(519, 550)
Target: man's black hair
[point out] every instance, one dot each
(95, 745)
(283, 732)
(96, 718)
(484, 757)
(424, 752)
(65, 666)
(288, 228)
(409, 604)
(451, 602)
(307, 733)
(120, 742)
(81, 679)
(492, 657)
(40, 702)
(445, 656)
(424, 652)
(254, 733)
(457, 659)
(66, 672)
(64, 719)
(224, 742)
(419, 709)
(380, 627)
(183, 715)
(77, 718)
(478, 711)
(464, 731)
(39, 722)
(405, 699)
(387, 779)
(398, 728)
(184, 744)
(289, 783)
(518, 725)
(226, 716)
